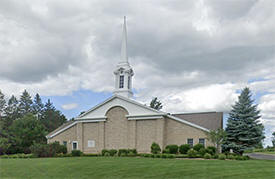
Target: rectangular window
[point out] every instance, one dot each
(190, 142)
(121, 81)
(202, 141)
(91, 143)
(129, 82)
(74, 145)
(65, 143)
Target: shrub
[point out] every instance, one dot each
(231, 157)
(173, 149)
(158, 155)
(192, 153)
(90, 155)
(211, 150)
(197, 147)
(134, 151)
(131, 154)
(207, 156)
(182, 156)
(202, 151)
(166, 151)
(57, 148)
(43, 150)
(246, 157)
(164, 155)
(222, 157)
(155, 149)
(107, 154)
(183, 149)
(170, 156)
(103, 151)
(122, 151)
(123, 154)
(76, 153)
(113, 152)
(215, 156)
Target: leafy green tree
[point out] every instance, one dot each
(156, 104)
(52, 118)
(37, 106)
(27, 131)
(273, 139)
(244, 130)
(217, 137)
(2, 104)
(25, 103)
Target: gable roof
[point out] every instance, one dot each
(127, 100)
(208, 120)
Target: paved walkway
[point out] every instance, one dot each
(261, 156)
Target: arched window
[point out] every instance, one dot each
(121, 81)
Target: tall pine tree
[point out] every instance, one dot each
(11, 111)
(2, 104)
(244, 130)
(25, 103)
(37, 106)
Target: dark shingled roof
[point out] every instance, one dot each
(208, 120)
(61, 127)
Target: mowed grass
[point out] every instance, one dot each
(125, 167)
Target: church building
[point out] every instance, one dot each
(121, 122)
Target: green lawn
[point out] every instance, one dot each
(120, 167)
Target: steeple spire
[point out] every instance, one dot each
(123, 72)
(124, 55)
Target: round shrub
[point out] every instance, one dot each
(215, 156)
(155, 148)
(173, 149)
(158, 155)
(123, 151)
(103, 151)
(164, 155)
(183, 149)
(197, 147)
(222, 157)
(211, 150)
(123, 155)
(166, 151)
(207, 156)
(192, 153)
(170, 156)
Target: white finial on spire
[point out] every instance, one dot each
(124, 55)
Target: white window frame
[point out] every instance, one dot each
(73, 145)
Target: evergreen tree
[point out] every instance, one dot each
(25, 103)
(156, 104)
(273, 139)
(244, 131)
(52, 118)
(37, 106)
(11, 111)
(2, 104)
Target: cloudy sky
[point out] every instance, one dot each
(193, 55)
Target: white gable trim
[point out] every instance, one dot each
(71, 125)
(188, 123)
(144, 117)
(124, 99)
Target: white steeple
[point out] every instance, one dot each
(123, 72)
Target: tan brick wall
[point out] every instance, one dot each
(116, 129)
(68, 135)
(118, 132)
(178, 133)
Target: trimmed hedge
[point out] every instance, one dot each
(173, 149)
(76, 153)
(18, 156)
(183, 149)
(197, 147)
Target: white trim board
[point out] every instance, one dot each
(69, 126)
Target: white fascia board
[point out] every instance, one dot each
(188, 123)
(74, 123)
(91, 118)
(144, 117)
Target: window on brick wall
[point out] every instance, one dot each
(65, 143)
(190, 142)
(74, 145)
(202, 141)
(91, 143)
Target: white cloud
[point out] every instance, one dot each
(69, 106)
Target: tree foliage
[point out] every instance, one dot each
(244, 130)
(273, 139)
(217, 137)
(26, 121)
(156, 104)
